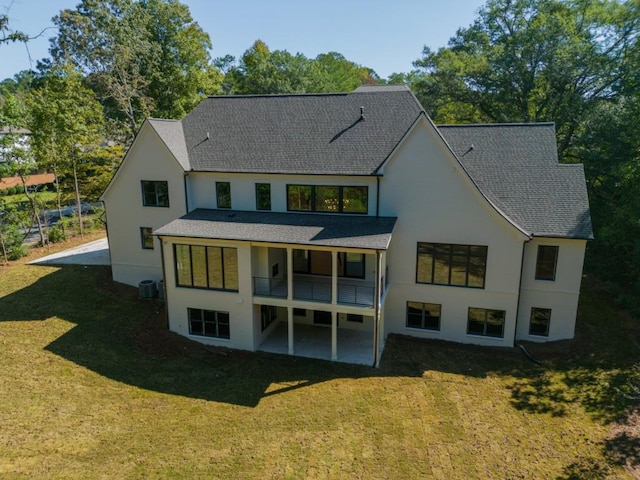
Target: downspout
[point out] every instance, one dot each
(376, 318)
(186, 192)
(515, 332)
(377, 195)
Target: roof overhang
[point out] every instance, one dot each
(322, 230)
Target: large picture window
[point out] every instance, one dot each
(425, 316)
(213, 268)
(327, 199)
(318, 262)
(456, 265)
(155, 193)
(546, 262)
(208, 323)
(485, 322)
(540, 320)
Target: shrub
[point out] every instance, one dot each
(18, 251)
(56, 235)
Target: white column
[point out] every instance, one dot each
(290, 330)
(334, 278)
(290, 298)
(334, 335)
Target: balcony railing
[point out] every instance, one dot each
(270, 287)
(315, 289)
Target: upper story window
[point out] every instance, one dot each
(214, 268)
(328, 198)
(263, 196)
(456, 265)
(155, 193)
(223, 194)
(546, 262)
(318, 262)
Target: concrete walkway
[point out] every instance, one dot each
(92, 253)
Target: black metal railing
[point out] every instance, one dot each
(356, 294)
(270, 287)
(312, 291)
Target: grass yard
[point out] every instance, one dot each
(93, 386)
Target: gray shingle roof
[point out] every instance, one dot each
(516, 167)
(302, 134)
(172, 134)
(291, 228)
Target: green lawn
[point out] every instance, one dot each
(93, 386)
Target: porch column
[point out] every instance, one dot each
(334, 335)
(334, 278)
(289, 299)
(290, 330)
(376, 317)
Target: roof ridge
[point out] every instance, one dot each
(512, 124)
(281, 95)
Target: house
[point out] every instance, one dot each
(319, 224)
(11, 139)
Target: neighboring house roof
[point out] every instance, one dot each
(14, 131)
(299, 134)
(272, 227)
(516, 166)
(31, 180)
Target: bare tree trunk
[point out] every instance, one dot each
(78, 204)
(4, 250)
(34, 209)
(58, 200)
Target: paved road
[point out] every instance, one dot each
(92, 253)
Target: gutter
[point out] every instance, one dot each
(515, 331)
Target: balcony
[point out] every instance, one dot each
(312, 288)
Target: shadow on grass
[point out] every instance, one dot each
(126, 339)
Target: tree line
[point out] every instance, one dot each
(576, 63)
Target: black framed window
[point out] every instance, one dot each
(328, 198)
(208, 323)
(263, 196)
(268, 315)
(223, 194)
(485, 322)
(155, 193)
(546, 262)
(425, 316)
(354, 317)
(318, 262)
(321, 318)
(299, 312)
(540, 320)
(213, 268)
(146, 238)
(455, 265)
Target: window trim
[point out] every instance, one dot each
(258, 207)
(552, 277)
(202, 320)
(143, 238)
(218, 197)
(484, 329)
(423, 316)
(340, 199)
(206, 264)
(155, 188)
(451, 246)
(548, 320)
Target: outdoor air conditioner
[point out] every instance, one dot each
(147, 289)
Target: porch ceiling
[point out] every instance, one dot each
(287, 228)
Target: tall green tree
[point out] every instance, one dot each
(530, 60)
(66, 122)
(142, 57)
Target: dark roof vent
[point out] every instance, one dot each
(361, 113)
(468, 150)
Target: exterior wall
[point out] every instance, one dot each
(560, 295)
(238, 304)
(427, 190)
(202, 188)
(148, 159)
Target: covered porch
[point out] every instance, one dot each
(314, 341)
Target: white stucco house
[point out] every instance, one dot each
(323, 223)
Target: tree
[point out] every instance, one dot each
(66, 122)
(144, 57)
(531, 60)
(7, 34)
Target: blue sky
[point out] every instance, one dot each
(386, 35)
